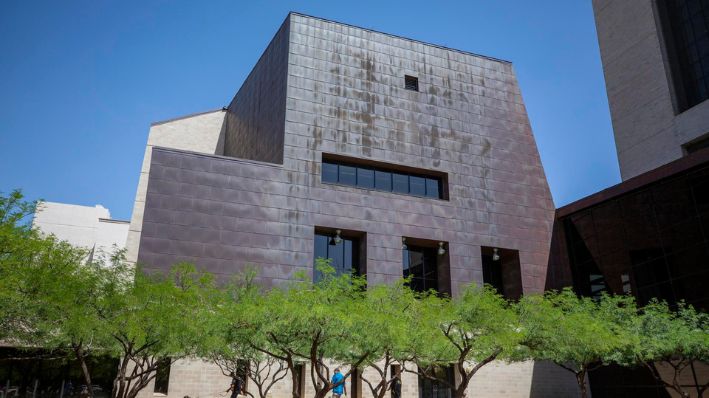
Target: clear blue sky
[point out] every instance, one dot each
(81, 81)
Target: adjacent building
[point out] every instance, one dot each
(655, 56)
(387, 155)
(649, 235)
(88, 227)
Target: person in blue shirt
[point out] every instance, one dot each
(339, 381)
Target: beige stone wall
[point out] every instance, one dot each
(496, 380)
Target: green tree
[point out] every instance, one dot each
(234, 332)
(382, 323)
(674, 338)
(44, 287)
(467, 333)
(579, 334)
(312, 323)
(151, 317)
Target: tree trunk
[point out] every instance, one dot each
(295, 379)
(81, 357)
(581, 380)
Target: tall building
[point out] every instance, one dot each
(655, 56)
(88, 227)
(649, 235)
(418, 159)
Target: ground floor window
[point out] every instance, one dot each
(429, 388)
(341, 248)
(162, 376)
(421, 264)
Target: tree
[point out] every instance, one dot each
(234, 331)
(467, 332)
(322, 319)
(383, 325)
(44, 287)
(674, 338)
(579, 334)
(151, 317)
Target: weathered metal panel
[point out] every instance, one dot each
(345, 95)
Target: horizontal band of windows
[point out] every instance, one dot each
(382, 179)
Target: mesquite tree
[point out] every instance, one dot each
(467, 333)
(384, 320)
(673, 338)
(151, 317)
(579, 334)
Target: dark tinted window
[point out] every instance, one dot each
(400, 182)
(329, 172)
(347, 175)
(344, 256)
(383, 180)
(411, 83)
(365, 177)
(686, 25)
(417, 186)
(433, 188)
(421, 264)
(162, 376)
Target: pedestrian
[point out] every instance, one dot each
(338, 380)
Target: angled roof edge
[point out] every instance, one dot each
(185, 117)
(402, 37)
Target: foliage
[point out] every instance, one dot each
(383, 318)
(53, 296)
(579, 334)
(477, 327)
(673, 338)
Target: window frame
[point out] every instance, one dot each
(379, 170)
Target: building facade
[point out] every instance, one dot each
(647, 236)
(390, 156)
(655, 56)
(88, 227)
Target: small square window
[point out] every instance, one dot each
(411, 83)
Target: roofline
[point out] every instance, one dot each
(402, 37)
(186, 117)
(668, 170)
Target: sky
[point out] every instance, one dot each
(81, 81)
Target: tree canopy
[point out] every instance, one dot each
(52, 295)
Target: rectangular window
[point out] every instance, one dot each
(343, 256)
(382, 177)
(365, 178)
(686, 30)
(382, 180)
(411, 83)
(347, 175)
(433, 188)
(433, 386)
(421, 264)
(162, 376)
(329, 172)
(400, 183)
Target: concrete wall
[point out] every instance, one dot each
(84, 226)
(648, 132)
(256, 116)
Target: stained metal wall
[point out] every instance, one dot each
(345, 95)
